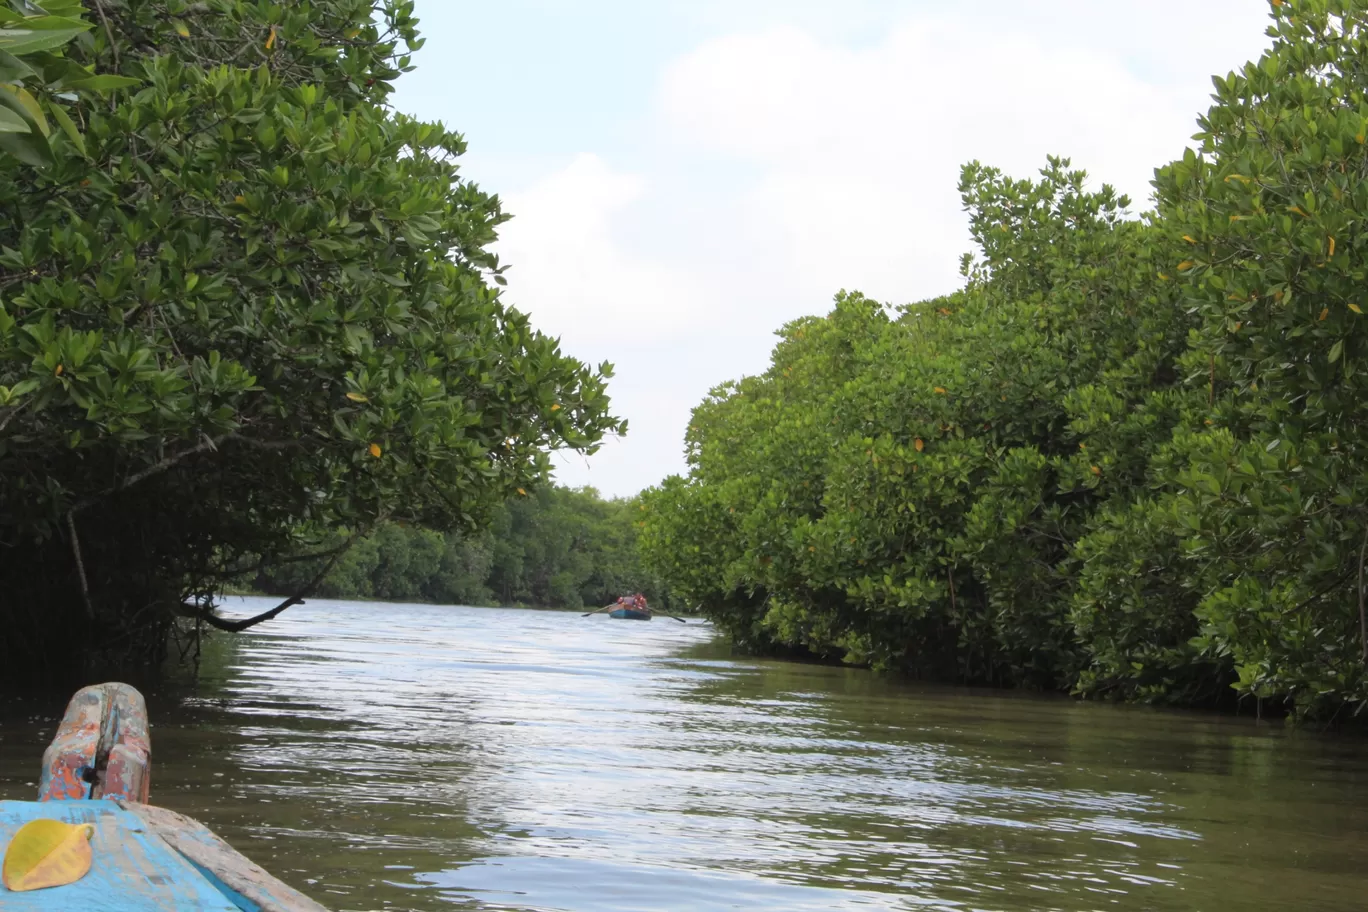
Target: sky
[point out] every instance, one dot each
(687, 176)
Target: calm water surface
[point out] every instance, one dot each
(428, 758)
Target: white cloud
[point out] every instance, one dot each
(572, 272)
(859, 151)
(780, 165)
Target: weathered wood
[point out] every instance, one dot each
(132, 870)
(146, 858)
(71, 755)
(126, 773)
(102, 748)
(213, 856)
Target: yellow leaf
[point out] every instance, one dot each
(270, 39)
(352, 33)
(941, 390)
(357, 397)
(30, 104)
(1361, 139)
(1324, 313)
(1096, 470)
(1296, 209)
(375, 450)
(1185, 265)
(1189, 239)
(1356, 309)
(1164, 277)
(239, 199)
(1332, 247)
(47, 853)
(182, 29)
(918, 445)
(58, 371)
(522, 492)
(555, 406)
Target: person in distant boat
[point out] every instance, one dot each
(639, 602)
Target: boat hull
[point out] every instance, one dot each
(143, 858)
(630, 614)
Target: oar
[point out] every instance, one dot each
(597, 610)
(672, 617)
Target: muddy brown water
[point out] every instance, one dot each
(434, 758)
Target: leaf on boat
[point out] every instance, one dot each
(47, 853)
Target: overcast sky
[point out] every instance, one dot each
(688, 175)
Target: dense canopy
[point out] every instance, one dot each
(254, 304)
(1128, 459)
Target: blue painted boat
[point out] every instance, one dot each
(631, 614)
(143, 858)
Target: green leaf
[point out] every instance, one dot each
(64, 121)
(103, 83)
(22, 103)
(53, 23)
(1336, 350)
(12, 69)
(29, 148)
(13, 123)
(26, 41)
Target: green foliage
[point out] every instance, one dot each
(35, 76)
(260, 301)
(555, 548)
(903, 491)
(1127, 459)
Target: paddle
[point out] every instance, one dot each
(672, 617)
(597, 610)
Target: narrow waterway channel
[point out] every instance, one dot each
(431, 758)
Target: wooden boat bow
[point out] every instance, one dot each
(97, 771)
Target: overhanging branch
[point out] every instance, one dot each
(208, 443)
(205, 613)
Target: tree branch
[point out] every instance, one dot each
(113, 45)
(205, 613)
(209, 443)
(1363, 615)
(158, 468)
(14, 410)
(265, 562)
(80, 566)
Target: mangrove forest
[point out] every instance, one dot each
(1127, 460)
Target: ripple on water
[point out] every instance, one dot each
(428, 758)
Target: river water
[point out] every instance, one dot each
(432, 758)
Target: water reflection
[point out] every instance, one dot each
(429, 758)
